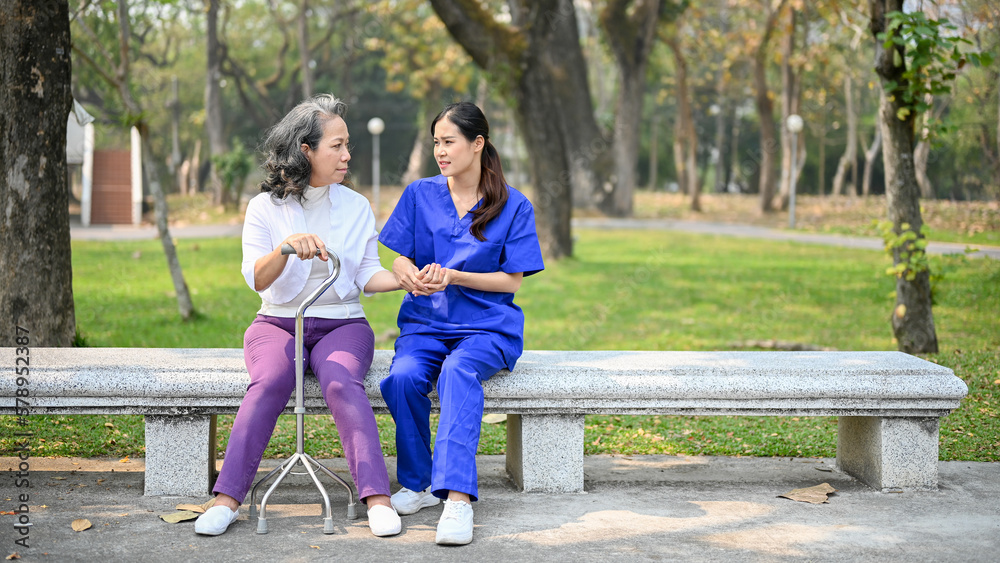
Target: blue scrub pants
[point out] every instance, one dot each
(459, 365)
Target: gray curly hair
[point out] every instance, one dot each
(286, 168)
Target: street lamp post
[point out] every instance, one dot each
(794, 123)
(375, 127)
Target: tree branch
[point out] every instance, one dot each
(111, 80)
(96, 43)
(479, 33)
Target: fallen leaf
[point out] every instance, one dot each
(59, 478)
(816, 494)
(209, 504)
(109, 425)
(80, 524)
(175, 517)
(826, 469)
(13, 556)
(8, 512)
(99, 481)
(192, 507)
(124, 460)
(314, 546)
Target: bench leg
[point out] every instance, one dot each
(545, 452)
(888, 453)
(180, 455)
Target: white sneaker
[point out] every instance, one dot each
(406, 501)
(215, 520)
(455, 526)
(383, 521)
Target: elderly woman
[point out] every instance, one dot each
(304, 203)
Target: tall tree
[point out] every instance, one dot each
(685, 138)
(118, 75)
(630, 29)
(848, 161)
(791, 98)
(537, 62)
(213, 99)
(871, 153)
(765, 107)
(36, 277)
(912, 317)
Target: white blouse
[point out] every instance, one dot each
(351, 235)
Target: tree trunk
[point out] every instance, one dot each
(821, 181)
(687, 139)
(790, 101)
(912, 317)
(422, 144)
(734, 170)
(765, 110)
(850, 156)
(175, 140)
(538, 63)
(922, 152)
(194, 180)
(654, 148)
(870, 154)
(721, 109)
(36, 273)
(630, 27)
(184, 304)
(721, 178)
(213, 100)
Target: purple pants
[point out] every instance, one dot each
(339, 351)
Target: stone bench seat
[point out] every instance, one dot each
(888, 403)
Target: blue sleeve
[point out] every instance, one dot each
(398, 233)
(521, 251)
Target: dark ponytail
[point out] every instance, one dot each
(472, 123)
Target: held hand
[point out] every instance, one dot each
(407, 274)
(307, 246)
(437, 279)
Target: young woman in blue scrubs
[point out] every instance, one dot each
(465, 239)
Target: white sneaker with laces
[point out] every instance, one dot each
(455, 525)
(215, 520)
(406, 501)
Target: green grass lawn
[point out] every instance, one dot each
(622, 290)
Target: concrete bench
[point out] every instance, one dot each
(888, 403)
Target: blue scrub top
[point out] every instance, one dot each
(425, 227)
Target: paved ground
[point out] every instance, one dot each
(107, 232)
(643, 508)
(748, 231)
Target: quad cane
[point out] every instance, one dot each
(300, 456)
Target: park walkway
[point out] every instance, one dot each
(105, 232)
